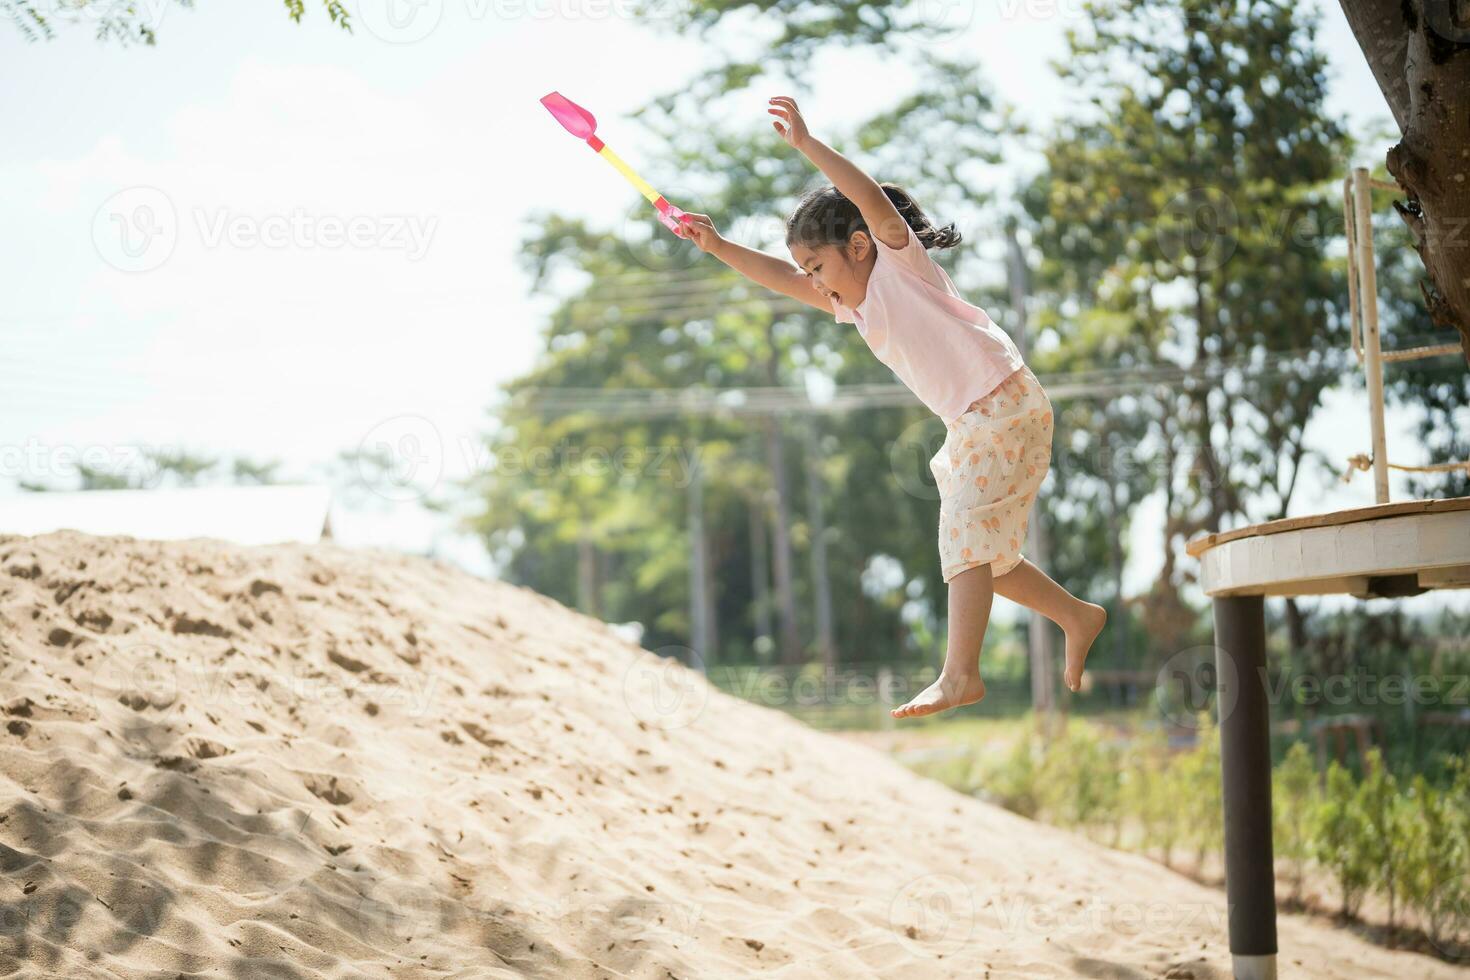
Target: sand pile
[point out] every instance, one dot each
(309, 762)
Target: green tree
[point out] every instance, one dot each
(1185, 215)
(127, 22)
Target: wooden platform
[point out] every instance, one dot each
(1388, 550)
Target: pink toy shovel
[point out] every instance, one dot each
(581, 124)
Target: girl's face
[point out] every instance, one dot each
(839, 271)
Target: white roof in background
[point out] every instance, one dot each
(245, 515)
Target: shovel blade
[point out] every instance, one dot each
(576, 120)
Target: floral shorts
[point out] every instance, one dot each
(992, 462)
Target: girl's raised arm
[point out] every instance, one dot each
(769, 270)
(882, 217)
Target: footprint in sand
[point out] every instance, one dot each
(345, 662)
(480, 735)
(203, 748)
(325, 788)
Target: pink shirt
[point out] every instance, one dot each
(946, 351)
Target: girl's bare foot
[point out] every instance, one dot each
(1080, 635)
(946, 692)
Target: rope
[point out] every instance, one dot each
(1364, 462)
(1415, 353)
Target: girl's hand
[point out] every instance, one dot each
(700, 230)
(794, 132)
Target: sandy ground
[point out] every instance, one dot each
(311, 762)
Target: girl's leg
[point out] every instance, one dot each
(970, 595)
(1082, 621)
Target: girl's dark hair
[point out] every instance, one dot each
(826, 217)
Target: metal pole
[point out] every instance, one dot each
(1245, 773)
(1373, 350)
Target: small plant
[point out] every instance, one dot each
(1144, 794)
(1439, 867)
(1013, 783)
(1294, 798)
(1339, 838)
(1197, 774)
(1385, 822)
(1078, 782)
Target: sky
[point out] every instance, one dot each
(281, 240)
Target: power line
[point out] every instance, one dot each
(650, 403)
(680, 308)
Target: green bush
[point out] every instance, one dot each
(1196, 777)
(1340, 832)
(1409, 842)
(1013, 783)
(1148, 796)
(1385, 826)
(1437, 867)
(1077, 785)
(1294, 799)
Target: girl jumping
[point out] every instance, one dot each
(861, 254)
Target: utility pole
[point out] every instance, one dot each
(1042, 685)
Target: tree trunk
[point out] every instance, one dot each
(1115, 554)
(789, 642)
(1296, 628)
(1208, 462)
(821, 582)
(760, 570)
(586, 575)
(700, 638)
(1420, 57)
